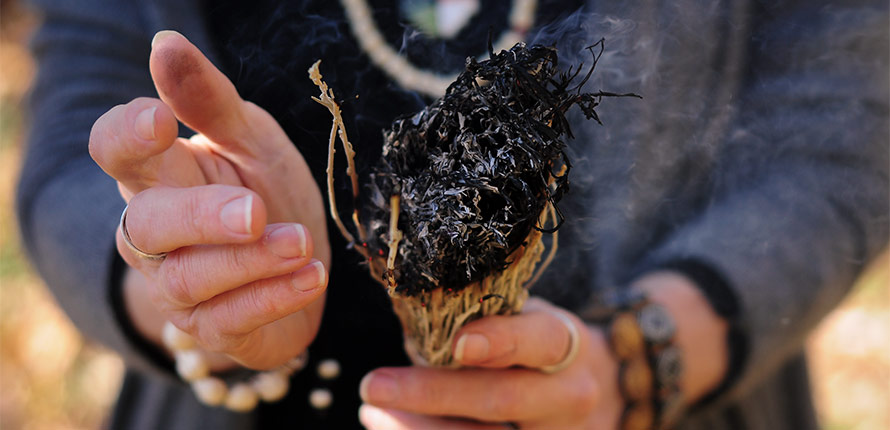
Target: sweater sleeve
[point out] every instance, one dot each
(800, 202)
(91, 55)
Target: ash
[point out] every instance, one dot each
(475, 169)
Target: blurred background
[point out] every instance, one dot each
(53, 378)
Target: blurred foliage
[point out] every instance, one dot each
(52, 378)
(849, 356)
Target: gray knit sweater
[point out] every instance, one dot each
(760, 149)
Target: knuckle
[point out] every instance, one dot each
(196, 216)
(209, 330)
(235, 263)
(224, 318)
(231, 317)
(265, 304)
(261, 303)
(175, 283)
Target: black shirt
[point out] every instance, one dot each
(266, 48)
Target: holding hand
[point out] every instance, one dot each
(505, 383)
(508, 359)
(238, 285)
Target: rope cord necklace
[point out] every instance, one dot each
(406, 74)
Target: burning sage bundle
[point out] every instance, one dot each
(464, 193)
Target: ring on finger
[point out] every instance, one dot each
(574, 345)
(139, 253)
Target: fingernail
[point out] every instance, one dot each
(237, 214)
(288, 241)
(369, 415)
(310, 277)
(145, 124)
(322, 273)
(161, 35)
(471, 347)
(379, 388)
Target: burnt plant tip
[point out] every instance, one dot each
(468, 179)
(476, 168)
(453, 215)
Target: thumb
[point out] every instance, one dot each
(199, 94)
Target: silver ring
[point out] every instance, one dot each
(574, 345)
(139, 253)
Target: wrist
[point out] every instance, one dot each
(641, 336)
(670, 345)
(701, 334)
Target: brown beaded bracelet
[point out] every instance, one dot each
(641, 336)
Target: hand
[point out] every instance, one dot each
(502, 384)
(240, 286)
(584, 395)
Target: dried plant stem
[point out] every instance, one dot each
(549, 214)
(432, 319)
(395, 235)
(331, 200)
(326, 99)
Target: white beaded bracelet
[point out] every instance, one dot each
(191, 365)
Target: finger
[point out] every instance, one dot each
(124, 140)
(240, 132)
(535, 338)
(482, 394)
(243, 310)
(270, 344)
(196, 274)
(201, 96)
(374, 418)
(165, 219)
